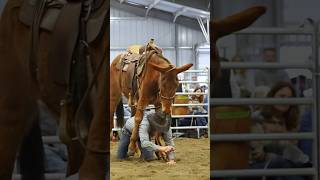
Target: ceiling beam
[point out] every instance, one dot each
(155, 13)
(178, 13)
(155, 2)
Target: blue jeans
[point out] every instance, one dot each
(124, 144)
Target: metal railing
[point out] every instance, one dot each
(207, 71)
(314, 67)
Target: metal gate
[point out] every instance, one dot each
(314, 101)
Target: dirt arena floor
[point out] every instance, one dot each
(192, 163)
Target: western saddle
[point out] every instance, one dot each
(132, 64)
(72, 25)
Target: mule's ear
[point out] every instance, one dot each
(160, 68)
(237, 21)
(183, 68)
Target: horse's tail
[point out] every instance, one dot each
(120, 114)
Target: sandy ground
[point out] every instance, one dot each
(193, 162)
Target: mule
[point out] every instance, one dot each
(44, 55)
(157, 84)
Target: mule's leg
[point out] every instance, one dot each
(94, 166)
(17, 111)
(31, 156)
(75, 157)
(17, 103)
(137, 119)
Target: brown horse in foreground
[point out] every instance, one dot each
(157, 85)
(28, 75)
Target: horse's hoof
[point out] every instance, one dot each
(131, 153)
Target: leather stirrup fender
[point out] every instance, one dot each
(64, 119)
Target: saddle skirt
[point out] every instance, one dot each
(61, 18)
(132, 65)
(129, 76)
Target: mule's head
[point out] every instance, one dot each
(168, 83)
(228, 25)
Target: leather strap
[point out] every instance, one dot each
(82, 104)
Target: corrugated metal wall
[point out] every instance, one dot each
(127, 29)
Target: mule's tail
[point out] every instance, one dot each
(120, 114)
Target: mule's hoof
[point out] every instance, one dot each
(131, 153)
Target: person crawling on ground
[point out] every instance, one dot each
(151, 124)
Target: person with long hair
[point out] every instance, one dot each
(196, 110)
(277, 119)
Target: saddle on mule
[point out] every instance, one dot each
(73, 25)
(131, 65)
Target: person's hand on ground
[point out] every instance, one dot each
(166, 149)
(171, 162)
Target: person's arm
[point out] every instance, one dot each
(167, 137)
(145, 139)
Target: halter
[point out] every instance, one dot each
(165, 97)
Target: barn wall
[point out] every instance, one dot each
(127, 29)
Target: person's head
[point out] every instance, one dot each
(238, 59)
(259, 92)
(194, 78)
(269, 55)
(160, 121)
(198, 97)
(290, 113)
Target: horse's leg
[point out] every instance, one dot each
(137, 120)
(94, 166)
(31, 156)
(75, 157)
(17, 112)
(17, 101)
